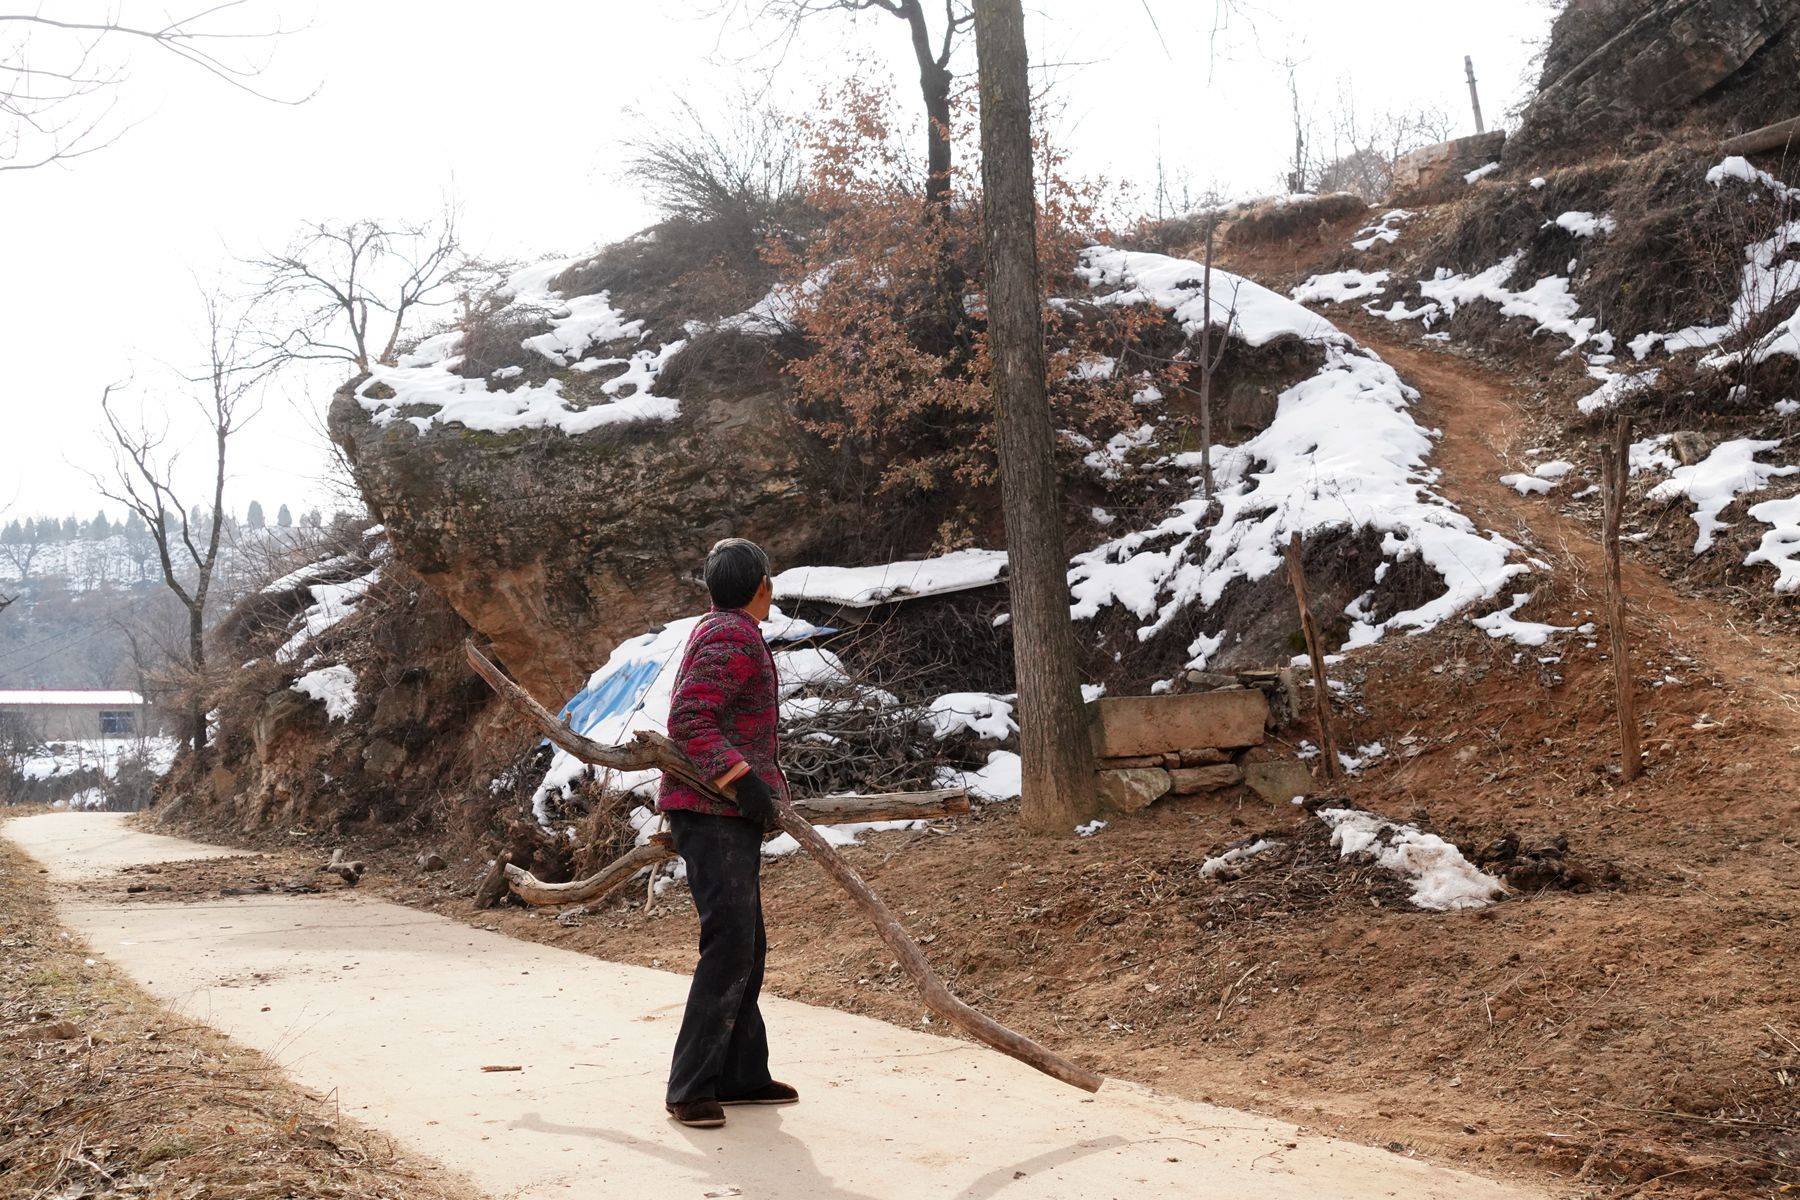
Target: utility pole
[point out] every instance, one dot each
(1054, 741)
(1474, 96)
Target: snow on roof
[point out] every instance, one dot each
(884, 583)
(52, 699)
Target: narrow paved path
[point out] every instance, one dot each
(395, 1012)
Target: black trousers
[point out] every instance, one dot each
(723, 1048)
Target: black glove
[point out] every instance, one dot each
(755, 800)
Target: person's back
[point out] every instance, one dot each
(723, 716)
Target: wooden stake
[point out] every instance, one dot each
(647, 749)
(1321, 689)
(1615, 466)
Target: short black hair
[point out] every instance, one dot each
(735, 568)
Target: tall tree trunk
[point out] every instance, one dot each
(1054, 741)
(196, 690)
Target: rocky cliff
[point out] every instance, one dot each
(1623, 72)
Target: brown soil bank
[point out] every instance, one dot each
(103, 1093)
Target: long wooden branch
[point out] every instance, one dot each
(817, 810)
(653, 750)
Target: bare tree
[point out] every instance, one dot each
(1054, 743)
(143, 480)
(932, 50)
(354, 286)
(742, 173)
(60, 78)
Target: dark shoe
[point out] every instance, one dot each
(768, 1093)
(700, 1114)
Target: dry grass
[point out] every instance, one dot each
(103, 1093)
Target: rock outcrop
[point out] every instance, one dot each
(555, 547)
(1618, 66)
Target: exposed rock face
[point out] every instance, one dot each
(1618, 65)
(556, 546)
(1434, 169)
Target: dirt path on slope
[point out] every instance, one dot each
(1484, 428)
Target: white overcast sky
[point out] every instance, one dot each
(520, 108)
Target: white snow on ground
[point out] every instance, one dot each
(1767, 277)
(1090, 828)
(1001, 779)
(1548, 301)
(426, 378)
(334, 687)
(1527, 485)
(308, 573)
(1652, 454)
(1385, 230)
(1503, 624)
(1780, 546)
(1584, 224)
(1254, 314)
(837, 835)
(98, 754)
(332, 602)
(1615, 389)
(1354, 761)
(1556, 468)
(865, 586)
(983, 714)
(1712, 484)
(1341, 287)
(1481, 172)
(1219, 862)
(1342, 451)
(1442, 879)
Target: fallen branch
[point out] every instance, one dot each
(1770, 137)
(817, 810)
(348, 870)
(648, 750)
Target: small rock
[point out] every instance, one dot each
(1190, 781)
(430, 861)
(1134, 789)
(1278, 780)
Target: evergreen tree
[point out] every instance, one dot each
(196, 518)
(284, 518)
(314, 520)
(134, 524)
(253, 516)
(99, 527)
(71, 528)
(14, 534)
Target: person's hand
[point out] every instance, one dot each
(755, 800)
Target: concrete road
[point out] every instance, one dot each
(396, 1012)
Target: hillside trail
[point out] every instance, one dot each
(1484, 429)
(398, 1014)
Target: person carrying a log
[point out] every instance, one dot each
(722, 715)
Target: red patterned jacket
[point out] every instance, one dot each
(724, 709)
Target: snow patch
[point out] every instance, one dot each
(1442, 879)
(1713, 483)
(1341, 287)
(334, 687)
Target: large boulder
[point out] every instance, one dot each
(1614, 66)
(556, 546)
